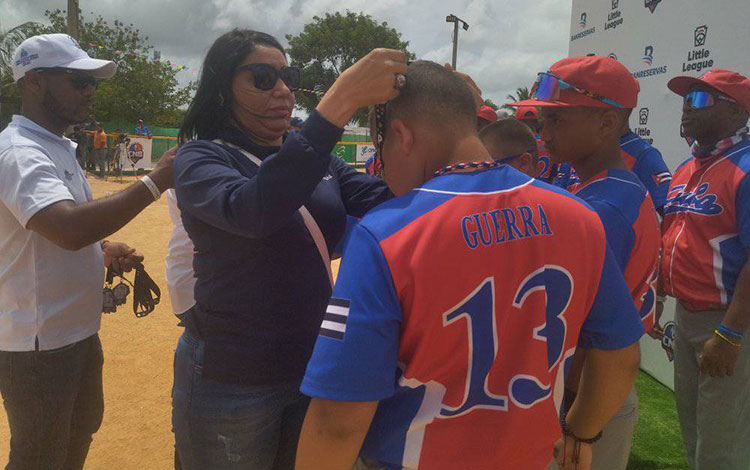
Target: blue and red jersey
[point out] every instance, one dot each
(641, 158)
(707, 228)
(546, 170)
(458, 306)
(633, 233)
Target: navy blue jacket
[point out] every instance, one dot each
(261, 286)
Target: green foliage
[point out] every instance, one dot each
(329, 45)
(522, 94)
(10, 39)
(491, 104)
(141, 88)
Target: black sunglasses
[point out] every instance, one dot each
(80, 81)
(265, 76)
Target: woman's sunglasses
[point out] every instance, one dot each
(548, 87)
(265, 76)
(79, 80)
(701, 99)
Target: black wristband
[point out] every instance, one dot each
(568, 432)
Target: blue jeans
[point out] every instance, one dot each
(220, 426)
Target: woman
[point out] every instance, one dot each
(262, 285)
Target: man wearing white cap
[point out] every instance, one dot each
(52, 257)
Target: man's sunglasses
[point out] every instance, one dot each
(265, 76)
(79, 80)
(548, 87)
(701, 99)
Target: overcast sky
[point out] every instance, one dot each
(508, 41)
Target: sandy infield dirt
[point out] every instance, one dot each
(138, 355)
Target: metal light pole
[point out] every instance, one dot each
(456, 20)
(73, 18)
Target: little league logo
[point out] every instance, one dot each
(652, 4)
(25, 59)
(135, 152)
(583, 20)
(615, 4)
(648, 55)
(700, 35)
(643, 116)
(667, 341)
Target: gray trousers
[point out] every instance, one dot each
(54, 404)
(613, 449)
(714, 412)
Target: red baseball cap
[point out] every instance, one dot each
(526, 112)
(487, 113)
(726, 82)
(603, 76)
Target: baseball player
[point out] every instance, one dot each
(459, 305)
(510, 142)
(585, 102)
(529, 115)
(705, 267)
(640, 157)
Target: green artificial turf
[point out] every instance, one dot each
(657, 444)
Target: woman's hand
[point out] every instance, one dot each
(372, 80)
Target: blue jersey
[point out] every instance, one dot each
(459, 306)
(641, 158)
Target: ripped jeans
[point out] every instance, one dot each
(221, 426)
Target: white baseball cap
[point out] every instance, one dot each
(57, 50)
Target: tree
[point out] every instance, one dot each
(142, 88)
(10, 39)
(491, 104)
(327, 46)
(522, 94)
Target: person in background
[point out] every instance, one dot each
(706, 245)
(79, 137)
(485, 117)
(437, 351)
(141, 129)
(100, 150)
(529, 115)
(264, 213)
(51, 286)
(585, 101)
(511, 142)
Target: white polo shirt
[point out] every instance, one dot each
(49, 297)
(180, 276)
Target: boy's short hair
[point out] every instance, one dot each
(509, 132)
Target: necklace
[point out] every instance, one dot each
(464, 165)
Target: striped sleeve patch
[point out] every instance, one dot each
(662, 177)
(334, 321)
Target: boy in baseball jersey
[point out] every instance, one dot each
(458, 306)
(585, 102)
(705, 267)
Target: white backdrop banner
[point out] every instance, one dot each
(138, 153)
(657, 40)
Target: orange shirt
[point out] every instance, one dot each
(100, 140)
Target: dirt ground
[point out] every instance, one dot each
(138, 354)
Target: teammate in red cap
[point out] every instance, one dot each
(485, 117)
(585, 102)
(529, 115)
(705, 267)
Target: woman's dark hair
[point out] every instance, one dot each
(210, 109)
